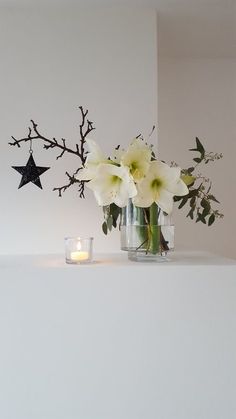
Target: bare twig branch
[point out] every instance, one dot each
(84, 134)
(34, 134)
(86, 127)
(72, 181)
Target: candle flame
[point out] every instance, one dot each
(79, 245)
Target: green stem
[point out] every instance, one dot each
(155, 229)
(143, 228)
(148, 229)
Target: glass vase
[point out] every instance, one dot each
(147, 234)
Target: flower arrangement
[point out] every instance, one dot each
(135, 175)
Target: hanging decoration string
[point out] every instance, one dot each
(30, 149)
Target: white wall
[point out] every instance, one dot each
(197, 97)
(53, 60)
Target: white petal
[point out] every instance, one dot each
(144, 197)
(95, 155)
(179, 188)
(94, 148)
(87, 173)
(165, 201)
(107, 189)
(162, 170)
(137, 158)
(122, 197)
(101, 199)
(142, 201)
(170, 176)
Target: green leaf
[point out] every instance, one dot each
(212, 198)
(177, 198)
(188, 179)
(110, 222)
(211, 219)
(205, 204)
(205, 212)
(184, 200)
(201, 218)
(190, 170)
(208, 190)
(191, 214)
(115, 211)
(200, 147)
(193, 192)
(106, 209)
(193, 202)
(104, 228)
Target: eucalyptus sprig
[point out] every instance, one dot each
(200, 197)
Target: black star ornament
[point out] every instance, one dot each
(30, 173)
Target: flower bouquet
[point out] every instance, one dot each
(136, 187)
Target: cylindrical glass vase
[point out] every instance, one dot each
(147, 234)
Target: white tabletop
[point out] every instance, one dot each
(183, 258)
(118, 339)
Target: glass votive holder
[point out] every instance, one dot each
(79, 250)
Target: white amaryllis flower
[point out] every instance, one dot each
(137, 158)
(94, 158)
(112, 184)
(160, 185)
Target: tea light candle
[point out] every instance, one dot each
(78, 250)
(79, 256)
